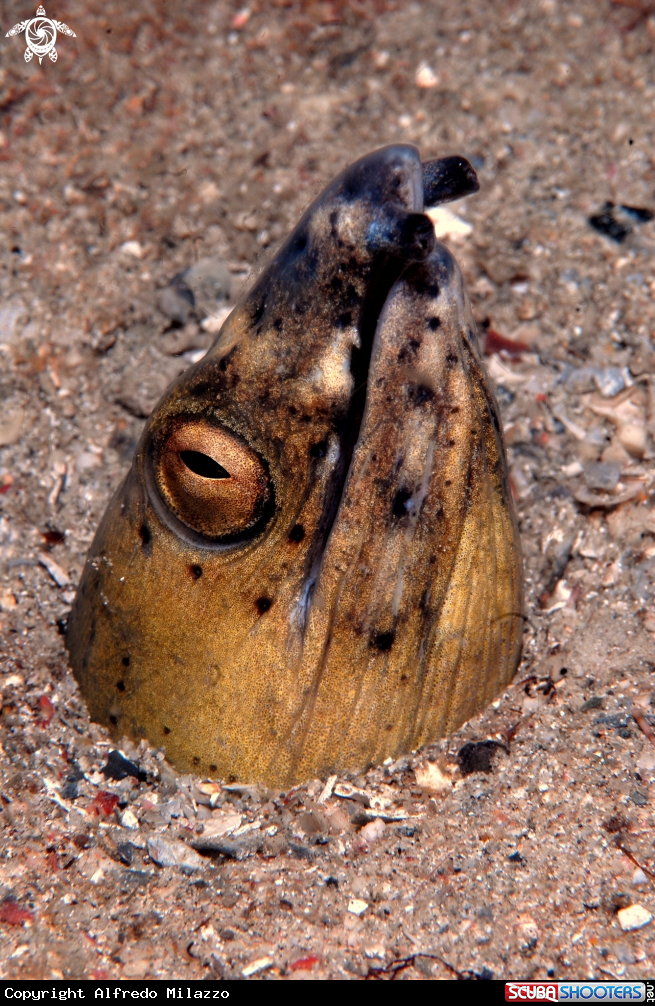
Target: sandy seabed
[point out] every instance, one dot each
(172, 133)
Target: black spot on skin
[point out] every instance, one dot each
(120, 685)
(166, 730)
(125, 661)
(195, 761)
(451, 359)
(434, 324)
(196, 572)
(297, 246)
(258, 312)
(146, 539)
(420, 393)
(202, 387)
(113, 719)
(448, 482)
(277, 324)
(213, 768)
(426, 287)
(454, 410)
(224, 360)
(399, 508)
(451, 443)
(263, 604)
(383, 641)
(345, 319)
(318, 450)
(293, 411)
(297, 533)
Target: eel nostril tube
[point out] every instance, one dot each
(447, 179)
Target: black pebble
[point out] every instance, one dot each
(477, 756)
(125, 852)
(69, 790)
(605, 223)
(119, 767)
(639, 213)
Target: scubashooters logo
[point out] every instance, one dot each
(40, 35)
(575, 992)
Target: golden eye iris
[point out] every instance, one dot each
(212, 480)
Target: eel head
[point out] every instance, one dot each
(313, 563)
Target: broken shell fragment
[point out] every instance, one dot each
(627, 411)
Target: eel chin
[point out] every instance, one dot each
(313, 563)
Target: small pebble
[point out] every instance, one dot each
(373, 831)
(59, 575)
(634, 917)
(221, 824)
(133, 248)
(7, 601)
(639, 877)
(119, 767)
(129, 820)
(582, 379)
(632, 436)
(426, 78)
(176, 302)
(448, 224)
(209, 280)
(430, 777)
(609, 381)
(169, 852)
(602, 475)
(214, 322)
(528, 934)
(261, 964)
(357, 906)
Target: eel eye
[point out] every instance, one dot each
(212, 480)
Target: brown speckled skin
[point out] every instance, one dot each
(351, 369)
